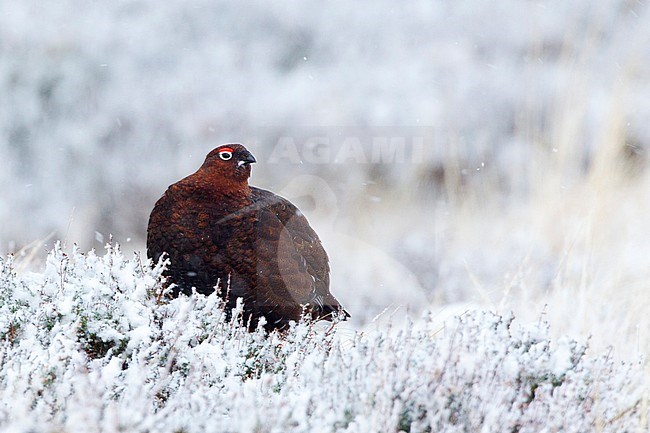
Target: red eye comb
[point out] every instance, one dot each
(226, 149)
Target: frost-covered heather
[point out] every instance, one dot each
(90, 344)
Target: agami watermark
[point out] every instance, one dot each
(346, 147)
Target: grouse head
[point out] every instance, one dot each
(229, 163)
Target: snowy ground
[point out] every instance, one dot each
(90, 345)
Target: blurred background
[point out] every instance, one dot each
(449, 153)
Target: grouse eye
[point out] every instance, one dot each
(225, 155)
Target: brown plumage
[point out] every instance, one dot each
(250, 243)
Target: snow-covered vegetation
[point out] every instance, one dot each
(92, 344)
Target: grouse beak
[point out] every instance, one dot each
(247, 158)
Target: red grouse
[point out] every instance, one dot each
(220, 233)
